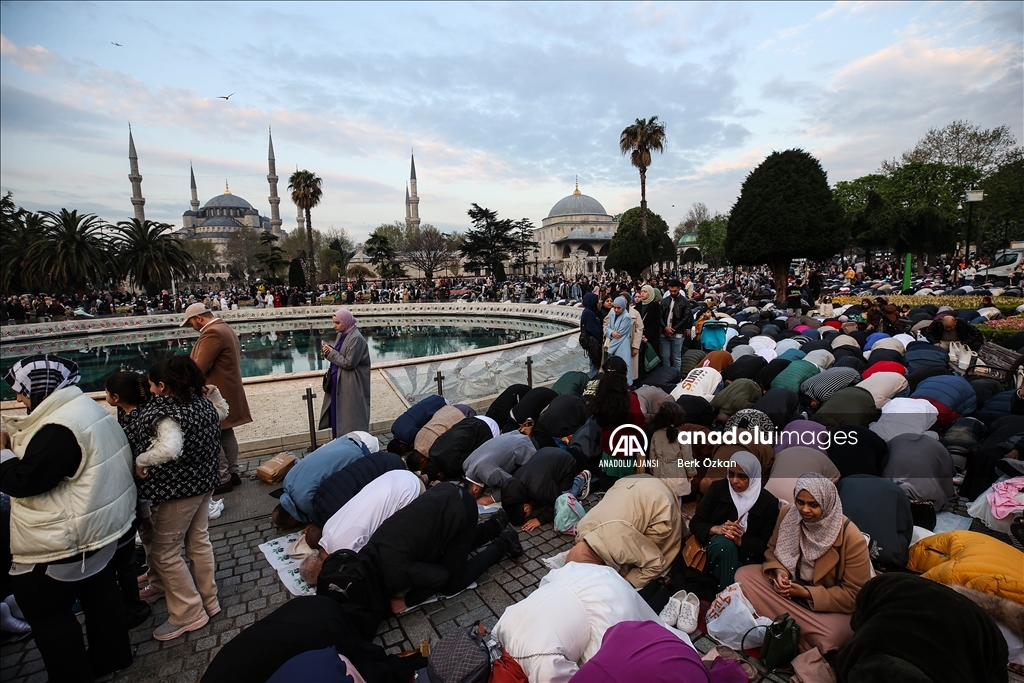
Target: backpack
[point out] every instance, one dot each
(460, 656)
(712, 335)
(350, 579)
(568, 513)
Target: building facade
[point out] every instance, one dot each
(575, 236)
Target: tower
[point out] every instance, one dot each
(413, 207)
(408, 211)
(275, 201)
(136, 180)
(195, 195)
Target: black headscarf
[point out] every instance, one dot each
(698, 410)
(501, 410)
(532, 403)
(866, 456)
(781, 405)
(564, 415)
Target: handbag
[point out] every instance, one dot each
(695, 555)
(781, 641)
(651, 358)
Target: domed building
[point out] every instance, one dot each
(219, 218)
(575, 237)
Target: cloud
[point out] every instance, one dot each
(34, 59)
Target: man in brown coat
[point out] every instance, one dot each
(218, 354)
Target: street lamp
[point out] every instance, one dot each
(971, 197)
(536, 253)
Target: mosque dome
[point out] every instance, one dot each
(220, 221)
(603, 235)
(580, 234)
(227, 201)
(577, 204)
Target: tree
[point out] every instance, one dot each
(960, 144)
(638, 141)
(296, 278)
(630, 250)
(71, 252)
(382, 248)
(270, 255)
(359, 272)
(307, 191)
(711, 234)
(522, 232)
(147, 252)
(785, 210)
(1004, 197)
(489, 243)
(697, 213)
(428, 249)
(19, 230)
(240, 253)
(202, 258)
(338, 240)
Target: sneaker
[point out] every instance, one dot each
(216, 508)
(511, 537)
(149, 594)
(670, 612)
(168, 631)
(235, 479)
(12, 624)
(689, 613)
(226, 487)
(214, 611)
(587, 476)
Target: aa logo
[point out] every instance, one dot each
(628, 441)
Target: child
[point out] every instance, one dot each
(667, 453)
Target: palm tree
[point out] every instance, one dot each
(639, 140)
(146, 252)
(71, 251)
(307, 191)
(20, 230)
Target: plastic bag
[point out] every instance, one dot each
(731, 616)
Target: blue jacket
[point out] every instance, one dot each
(920, 354)
(305, 478)
(952, 391)
(411, 421)
(343, 485)
(996, 407)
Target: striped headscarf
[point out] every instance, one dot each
(40, 375)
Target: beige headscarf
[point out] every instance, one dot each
(650, 294)
(800, 543)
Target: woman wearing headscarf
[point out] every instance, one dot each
(650, 314)
(615, 404)
(619, 333)
(923, 468)
(852, 406)
(719, 360)
(739, 395)
(815, 565)
(781, 405)
(760, 428)
(530, 407)
(591, 332)
(734, 520)
(560, 420)
(346, 405)
(860, 451)
(67, 468)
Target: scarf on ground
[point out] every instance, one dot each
(800, 544)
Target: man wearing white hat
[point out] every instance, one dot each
(218, 354)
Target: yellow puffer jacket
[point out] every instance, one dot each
(970, 559)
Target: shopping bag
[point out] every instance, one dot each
(731, 616)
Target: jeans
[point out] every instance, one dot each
(188, 594)
(47, 604)
(672, 352)
(577, 486)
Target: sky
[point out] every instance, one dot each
(503, 104)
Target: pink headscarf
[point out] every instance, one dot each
(346, 319)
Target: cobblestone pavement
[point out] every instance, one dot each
(250, 589)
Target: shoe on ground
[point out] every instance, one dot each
(226, 487)
(670, 612)
(213, 612)
(587, 477)
(149, 594)
(168, 631)
(216, 508)
(511, 537)
(235, 479)
(12, 624)
(689, 613)
(499, 519)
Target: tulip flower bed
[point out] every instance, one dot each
(996, 331)
(1006, 304)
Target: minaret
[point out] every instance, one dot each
(408, 211)
(133, 158)
(195, 195)
(414, 200)
(275, 201)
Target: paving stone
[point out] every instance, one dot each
(189, 676)
(236, 610)
(205, 643)
(228, 635)
(171, 667)
(245, 620)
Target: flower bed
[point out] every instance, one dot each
(997, 331)
(1006, 304)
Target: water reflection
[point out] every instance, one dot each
(283, 349)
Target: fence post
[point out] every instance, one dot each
(439, 378)
(529, 371)
(308, 398)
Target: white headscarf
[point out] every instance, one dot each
(751, 466)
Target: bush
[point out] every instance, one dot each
(997, 331)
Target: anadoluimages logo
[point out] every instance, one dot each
(628, 441)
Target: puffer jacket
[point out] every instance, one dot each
(795, 374)
(343, 485)
(741, 394)
(411, 421)
(952, 391)
(921, 354)
(967, 558)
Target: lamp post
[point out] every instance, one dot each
(536, 253)
(971, 197)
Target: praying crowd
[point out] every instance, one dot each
(806, 459)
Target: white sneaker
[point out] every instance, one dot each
(216, 508)
(670, 612)
(689, 613)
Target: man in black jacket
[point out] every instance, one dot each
(423, 549)
(949, 329)
(676, 320)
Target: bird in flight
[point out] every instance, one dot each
(224, 97)
(116, 44)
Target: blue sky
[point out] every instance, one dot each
(504, 103)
